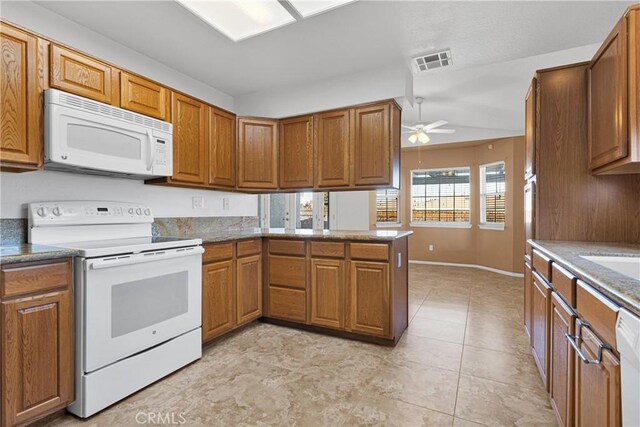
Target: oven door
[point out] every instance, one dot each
(133, 302)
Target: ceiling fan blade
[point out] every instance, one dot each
(436, 124)
(441, 131)
(409, 127)
(408, 131)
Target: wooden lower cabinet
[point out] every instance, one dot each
(369, 296)
(327, 292)
(218, 299)
(597, 392)
(540, 308)
(561, 375)
(249, 288)
(37, 351)
(288, 304)
(528, 288)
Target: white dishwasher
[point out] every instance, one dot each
(628, 339)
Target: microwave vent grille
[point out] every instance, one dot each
(117, 113)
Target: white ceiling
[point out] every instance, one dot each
(357, 37)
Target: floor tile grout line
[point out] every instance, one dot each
(464, 338)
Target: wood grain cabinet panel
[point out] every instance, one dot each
(371, 149)
(530, 131)
(287, 271)
(222, 148)
(249, 288)
(327, 293)
(561, 371)
(218, 299)
(288, 304)
(369, 296)
(528, 294)
(540, 309)
(296, 152)
(18, 279)
(21, 142)
(145, 97)
(189, 140)
(332, 148)
(37, 356)
(257, 153)
(78, 74)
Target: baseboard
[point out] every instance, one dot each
(481, 267)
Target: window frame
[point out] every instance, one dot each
(389, 224)
(291, 210)
(438, 224)
(482, 223)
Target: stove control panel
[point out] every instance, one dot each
(88, 212)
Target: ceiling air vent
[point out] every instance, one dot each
(432, 61)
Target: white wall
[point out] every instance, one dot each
(18, 189)
(349, 210)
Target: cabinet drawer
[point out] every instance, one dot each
(598, 311)
(26, 279)
(217, 252)
(564, 284)
(249, 247)
(287, 271)
(327, 249)
(287, 304)
(145, 97)
(542, 264)
(287, 247)
(375, 251)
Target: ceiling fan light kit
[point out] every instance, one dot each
(419, 132)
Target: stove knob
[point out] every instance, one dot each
(138, 211)
(147, 212)
(130, 211)
(42, 211)
(56, 211)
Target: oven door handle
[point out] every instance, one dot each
(118, 261)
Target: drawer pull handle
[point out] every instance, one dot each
(573, 340)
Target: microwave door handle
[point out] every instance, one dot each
(150, 152)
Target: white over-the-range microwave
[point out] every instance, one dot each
(85, 136)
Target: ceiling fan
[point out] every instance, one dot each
(419, 132)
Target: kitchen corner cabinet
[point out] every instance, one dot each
(145, 97)
(296, 152)
(332, 149)
(257, 153)
(190, 121)
(222, 148)
(614, 99)
(21, 68)
(37, 350)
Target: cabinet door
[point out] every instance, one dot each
(529, 211)
(20, 138)
(332, 148)
(296, 152)
(81, 75)
(540, 308)
(607, 107)
(327, 292)
(37, 356)
(257, 153)
(249, 288)
(145, 97)
(561, 360)
(369, 295)
(218, 299)
(597, 393)
(189, 140)
(528, 294)
(530, 131)
(371, 146)
(222, 148)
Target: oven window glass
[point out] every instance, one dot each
(143, 303)
(103, 141)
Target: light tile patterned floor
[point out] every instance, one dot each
(463, 361)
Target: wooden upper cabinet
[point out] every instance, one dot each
(248, 288)
(76, 73)
(332, 148)
(145, 97)
(222, 148)
(257, 153)
(327, 292)
(21, 141)
(371, 149)
(530, 131)
(369, 296)
(614, 76)
(218, 299)
(189, 140)
(296, 152)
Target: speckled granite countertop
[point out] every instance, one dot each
(26, 252)
(621, 289)
(374, 235)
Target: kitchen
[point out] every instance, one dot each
(222, 223)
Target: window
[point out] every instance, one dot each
(492, 189)
(298, 210)
(440, 197)
(387, 207)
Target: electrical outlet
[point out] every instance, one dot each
(197, 202)
(430, 248)
(225, 203)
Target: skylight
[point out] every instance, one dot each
(241, 19)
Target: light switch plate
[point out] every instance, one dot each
(225, 203)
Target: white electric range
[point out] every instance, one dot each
(137, 297)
